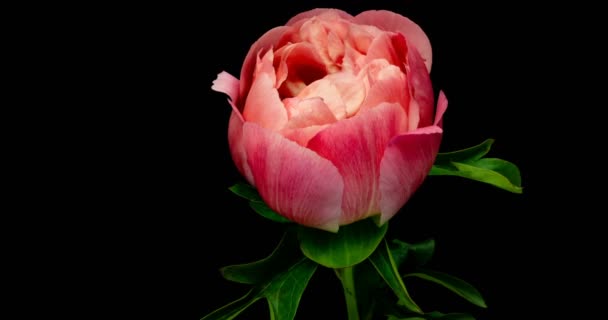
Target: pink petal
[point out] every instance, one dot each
(308, 112)
(387, 85)
(355, 146)
(318, 12)
(263, 105)
(265, 42)
(326, 90)
(301, 136)
(237, 148)
(406, 162)
(421, 89)
(298, 65)
(442, 105)
(394, 22)
(389, 46)
(293, 180)
(228, 84)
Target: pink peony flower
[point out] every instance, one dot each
(333, 116)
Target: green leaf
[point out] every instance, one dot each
(458, 286)
(497, 172)
(382, 260)
(283, 293)
(408, 315)
(284, 255)
(468, 154)
(262, 209)
(247, 191)
(256, 202)
(449, 316)
(416, 254)
(351, 245)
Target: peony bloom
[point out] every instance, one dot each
(333, 116)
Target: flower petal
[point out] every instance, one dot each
(355, 146)
(265, 42)
(292, 180)
(442, 105)
(421, 89)
(318, 12)
(297, 65)
(406, 162)
(389, 46)
(237, 148)
(263, 105)
(390, 21)
(387, 84)
(228, 84)
(308, 112)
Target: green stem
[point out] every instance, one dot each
(346, 276)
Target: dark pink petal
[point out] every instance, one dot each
(292, 180)
(318, 12)
(263, 105)
(406, 162)
(421, 89)
(237, 148)
(355, 146)
(265, 42)
(442, 106)
(394, 22)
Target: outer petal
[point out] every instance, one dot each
(442, 105)
(407, 161)
(228, 84)
(263, 105)
(355, 146)
(318, 12)
(394, 22)
(293, 180)
(237, 148)
(265, 42)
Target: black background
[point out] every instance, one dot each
(177, 222)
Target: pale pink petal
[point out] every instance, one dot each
(442, 106)
(389, 46)
(228, 84)
(263, 105)
(406, 162)
(301, 136)
(292, 180)
(388, 84)
(421, 89)
(237, 148)
(318, 12)
(298, 65)
(355, 146)
(326, 90)
(308, 112)
(390, 21)
(361, 37)
(265, 42)
(352, 91)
